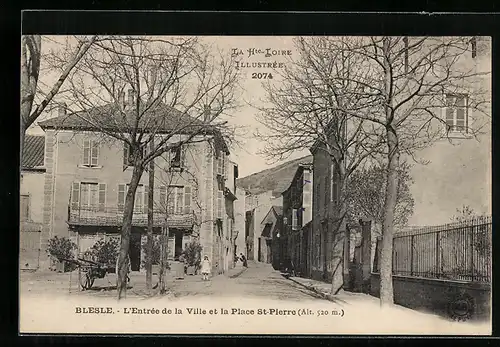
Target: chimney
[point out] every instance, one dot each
(62, 109)
(131, 97)
(207, 114)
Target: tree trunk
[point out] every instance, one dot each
(339, 235)
(149, 243)
(386, 288)
(164, 258)
(123, 258)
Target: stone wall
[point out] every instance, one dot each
(435, 296)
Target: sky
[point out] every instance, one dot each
(250, 49)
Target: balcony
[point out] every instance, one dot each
(113, 216)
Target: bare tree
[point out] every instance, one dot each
(31, 64)
(170, 82)
(406, 83)
(366, 196)
(302, 112)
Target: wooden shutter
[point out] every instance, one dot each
(126, 154)
(220, 201)
(187, 200)
(179, 206)
(171, 200)
(121, 196)
(75, 195)
(163, 197)
(146, 199)
(183, 155)
(25, 207)
(86, 152)
(294, 219)
(102, 196)
(94, 157)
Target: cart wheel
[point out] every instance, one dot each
(85, 280)
(90, 282)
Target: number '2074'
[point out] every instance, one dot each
(261, 75)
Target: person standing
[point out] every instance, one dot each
(243, 260)
(205, 268)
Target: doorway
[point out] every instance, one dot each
(135, 251)
(178, 244)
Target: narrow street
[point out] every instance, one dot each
(258, 281)
(288, 307)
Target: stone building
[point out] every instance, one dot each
(86, 181)
(297, 234)
(31, 201)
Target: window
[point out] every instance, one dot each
(295, 219)
(141, 198)
(177, 157)
(177, 199)
(221, 164)
(220, 204)
(128, 160)
(88, 197)
(456, 113)
(25, 207)
(90, 153)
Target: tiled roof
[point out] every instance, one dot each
(278, 210)
(33, 151)
(161, 119)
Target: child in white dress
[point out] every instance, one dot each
(205, 268)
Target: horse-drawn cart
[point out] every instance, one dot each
(89, 270)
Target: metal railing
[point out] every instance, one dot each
(113, 216)
(458, 251)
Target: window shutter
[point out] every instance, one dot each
(171, 200)
(163, 197)
(466, 114)
(294, 219)
(187, 200)
(183, 155)
(126, 154)
(25, 207)
(94, 153)
(121, 197)
(179, 206)
(102, 196)
(75, 195)
(86, 152)
(146, 199)
(220, 200)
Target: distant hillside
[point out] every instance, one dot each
(277, 178)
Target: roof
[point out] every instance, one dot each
(33, 152)
(277, 211)
(161, 119)
(276, 179)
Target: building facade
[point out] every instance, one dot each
(31, 202)
(457, 168)
(257, 206)
(297, 237)
(86, 182)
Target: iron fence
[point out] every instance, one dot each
(458, 251)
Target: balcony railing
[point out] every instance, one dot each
(113, 216)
